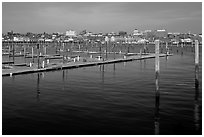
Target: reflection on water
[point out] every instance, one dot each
(102, 70)
(157, 96)
(196, 107)
(38, 87)
(63, 79)
(114, 69)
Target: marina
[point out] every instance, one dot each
(98, 99)
(16, 71)
(112, 79)
(101, 68)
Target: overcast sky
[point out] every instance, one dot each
(101, 17)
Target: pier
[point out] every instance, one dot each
(25, 69)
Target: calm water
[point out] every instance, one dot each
(109, 99)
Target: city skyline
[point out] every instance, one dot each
(101, 16)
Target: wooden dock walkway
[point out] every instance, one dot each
(16, 70)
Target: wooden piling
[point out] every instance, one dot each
(145, 48)
(56, 48)
(157, 56)
(157, 87)
(106, 42)
(9, 50)
(99, 49)
(32, 54)
(24, 50)
(45, 49)
(128, 50)
(114, 49)
(38, 58)
(13, 52)
(140, 53)
(106, 50)
(196, 63)
(196, 52)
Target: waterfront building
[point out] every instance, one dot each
(21, 39)
(71, 33)
(136, 32)
(161, 33)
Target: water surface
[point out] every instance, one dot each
(108, 99)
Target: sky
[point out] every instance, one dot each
(102, 17)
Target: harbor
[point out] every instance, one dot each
(101, 68)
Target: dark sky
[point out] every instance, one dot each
(101, 16)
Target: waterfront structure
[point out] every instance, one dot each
(137, 36)
(136, 32)
(71, 33)
(161, 33)
(187, 40)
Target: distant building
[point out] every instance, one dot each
(71, 33)
(146, 31)
(136, 32)
(161, 33)
(21, 39)
(187, 40)
(88, 34)
(83, 32)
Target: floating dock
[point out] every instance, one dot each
(70, 65)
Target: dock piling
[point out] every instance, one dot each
(13, 52)
(45, 50)
(24, 50)
(24, 53)
(106, 41)
(9, 50)
(38, 46)
(157, 87)
(196, 63)
(106, 50)
(32, 54)
(140, 53)
(114, 49)
(157, 56)
(196, 52)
